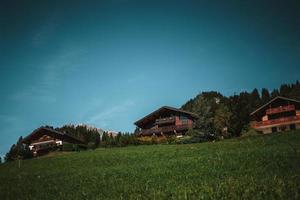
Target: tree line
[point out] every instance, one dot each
(92, 138)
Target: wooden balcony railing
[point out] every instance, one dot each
(166, 129)
(275, 121)
(280, 109)
(166, 120)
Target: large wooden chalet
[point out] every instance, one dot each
(166, 121)
(43, 140)
(277, 115)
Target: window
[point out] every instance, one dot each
(183, 119)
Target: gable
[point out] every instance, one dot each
(44, 133)
(274, 103)
(164, 111)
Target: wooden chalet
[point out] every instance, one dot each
(45, 139)
(277, 115)
(166, 121)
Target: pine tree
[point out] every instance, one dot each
(118, 139)
(274, 93)
(265, 96)
(254, 100)
(104, 139)
(285, 90)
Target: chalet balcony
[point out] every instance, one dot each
(280, 109)
(166, 129)
(167, 120)
(283, 120)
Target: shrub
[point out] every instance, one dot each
(145, 140)
(250, 133)
(195, 136)
(170, 139)
(154, 139)
(68, 147)
(193, 132)
(91, 145)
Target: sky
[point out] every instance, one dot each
(109, 63)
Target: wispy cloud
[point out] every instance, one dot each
(7, 119)
(106, 117)
(50, 75)
(44, 31)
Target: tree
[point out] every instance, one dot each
(118, 139)
(97, 140)
(222, 119)
(295, 91)
(285, 90)
(10, 155)
(265, 96)
(254, 99)
(104, 139)
(205, 105)
(274, 93)
(18, 151)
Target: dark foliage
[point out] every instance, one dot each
(18, 151)
(229, 116)
(119, 140)
(90, 136)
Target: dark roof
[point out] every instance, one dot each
(36, 134)
(271, 101)
(194, 115)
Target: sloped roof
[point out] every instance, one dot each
(271, 101)
(194, 115)
(36, 134)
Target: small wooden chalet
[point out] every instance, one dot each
(45, 139)
(277, 115)
(166, 121)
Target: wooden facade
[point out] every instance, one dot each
(166, 121)
(45, 139)
(279, 114)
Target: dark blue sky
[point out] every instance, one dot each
(108, 63)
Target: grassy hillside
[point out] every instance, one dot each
(261, 167)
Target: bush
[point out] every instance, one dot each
(171, 139)
(195, 136)
(91, 145)
(193, 132)
(154, 139)
(68, 147)
(250, 133)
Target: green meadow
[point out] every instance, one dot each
(254, 167)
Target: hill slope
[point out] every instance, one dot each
(262, 167)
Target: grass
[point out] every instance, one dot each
(257, 167)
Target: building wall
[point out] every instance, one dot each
(177, 121)
(269, 129)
